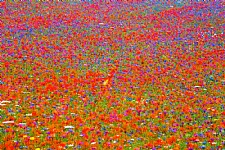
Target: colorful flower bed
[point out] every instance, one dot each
(112, 75)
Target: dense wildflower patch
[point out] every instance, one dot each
(112, 75)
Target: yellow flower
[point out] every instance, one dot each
(37, 149)
(106, 82)
(32, 138)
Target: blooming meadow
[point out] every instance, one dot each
(112, 75)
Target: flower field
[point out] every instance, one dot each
(112, 75)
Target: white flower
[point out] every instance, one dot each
(69, 127)
(197, 86)
(93, 143)
(5, 101)
(22, 124)
(7, 122)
